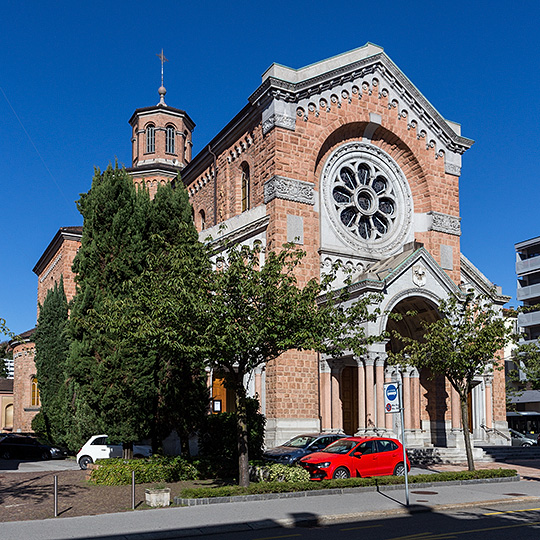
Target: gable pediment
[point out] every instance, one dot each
(289, 96)
(414, 268)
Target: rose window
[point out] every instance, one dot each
(364, 200)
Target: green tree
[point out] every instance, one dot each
(463, 344)
(161, 315)
(257, 312)
(124, 381)
(52, 346)
(108, 381)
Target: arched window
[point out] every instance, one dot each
(170, 141)
(245, 187)
(203, 220)
(35, 393)
(150, 139)
(8, 416)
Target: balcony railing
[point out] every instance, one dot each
(529, 319)
(528, 292)
(527, 265)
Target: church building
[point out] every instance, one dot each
(347, 159)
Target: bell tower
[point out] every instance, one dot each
(161, 141)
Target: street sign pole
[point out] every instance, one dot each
(401, 407)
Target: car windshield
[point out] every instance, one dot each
(301, 441)
(340, 447)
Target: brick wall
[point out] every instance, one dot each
(24, 371)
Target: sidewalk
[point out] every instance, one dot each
(205, 520)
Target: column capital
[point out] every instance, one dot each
(324, 365)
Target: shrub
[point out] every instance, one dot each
(218, 441)
(277, 472)
(284, 487)
(117, 471)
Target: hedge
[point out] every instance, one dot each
(117, 471)
(283, 487)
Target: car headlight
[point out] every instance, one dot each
(323, 465)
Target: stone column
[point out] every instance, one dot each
(455, 406)
(407, 397)
(489, 402)
(416, 413)
(258, 387)
(337, 414)
(379, 382)
(361, 394)
(325, 382)
(369, 362)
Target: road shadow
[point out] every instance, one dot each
(484, 522)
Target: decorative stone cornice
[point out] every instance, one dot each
(278, 120)
(51, 268)
(445, 223)
(409, 101)
(450, 168)
(279, 187)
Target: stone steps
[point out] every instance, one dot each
(434, 455)
(503, 453)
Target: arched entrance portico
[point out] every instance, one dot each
(355, 384)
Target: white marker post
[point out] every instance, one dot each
(393, 403)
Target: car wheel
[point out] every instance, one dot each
(399, 470)
(526, 444)
(6, 454)
(84, 462)
(45, 455)
(341, 472)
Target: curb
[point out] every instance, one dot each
(178, 501)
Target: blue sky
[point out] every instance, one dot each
(72, 73)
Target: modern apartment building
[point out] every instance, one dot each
(528, 292)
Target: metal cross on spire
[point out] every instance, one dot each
(162, 90)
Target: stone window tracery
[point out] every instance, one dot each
(367, 199)
(364, 199)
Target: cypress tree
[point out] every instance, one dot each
(103, 390)
(122, 381)
(52, 347)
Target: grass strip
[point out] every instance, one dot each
(289, 487)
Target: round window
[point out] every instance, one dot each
(367, 196)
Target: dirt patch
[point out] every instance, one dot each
(27, 496)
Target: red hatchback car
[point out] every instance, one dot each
(357, 457)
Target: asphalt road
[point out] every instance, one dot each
(489, 522)
(18, 466)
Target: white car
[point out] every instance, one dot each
(97, 447)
